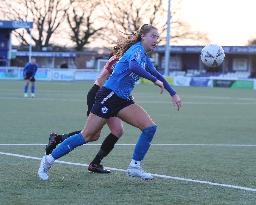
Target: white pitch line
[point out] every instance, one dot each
(138, 101)
(156, 175)
(209, 145)
(218, 97)
(207, 182)
(149, 96)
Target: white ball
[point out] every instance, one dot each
(212, 55)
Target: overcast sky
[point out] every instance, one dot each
(227, 22)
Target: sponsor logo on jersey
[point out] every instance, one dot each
(134, 76)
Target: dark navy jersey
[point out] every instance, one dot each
(30, 69)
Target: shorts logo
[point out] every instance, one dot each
(104, 109)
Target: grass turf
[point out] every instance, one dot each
(208, 116)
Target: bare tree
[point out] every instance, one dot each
(46, 16)
(181, 32)
(252, 42)
(81, 22)
(128, 16)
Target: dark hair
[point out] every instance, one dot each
(125, 42)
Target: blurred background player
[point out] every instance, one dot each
(29, 73)
(114, 123)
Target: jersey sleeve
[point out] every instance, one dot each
(151, 68)
(136, 68)
(25, 69)
(35, 70)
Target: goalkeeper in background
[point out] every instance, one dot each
(29, 73)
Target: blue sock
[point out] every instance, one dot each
(26, 88)
(143, 143)
(33, 88)
(68, 145)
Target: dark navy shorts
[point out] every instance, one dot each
(29, 77)
(91, 95)
(108, 104)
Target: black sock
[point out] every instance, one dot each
(65, 136)
(105, 149)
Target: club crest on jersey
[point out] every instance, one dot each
(104, 109)
(137, 55)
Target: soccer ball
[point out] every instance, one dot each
(212, 55)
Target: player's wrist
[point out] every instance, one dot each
(173, 93)
(156, 81)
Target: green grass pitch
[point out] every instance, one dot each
(209, 116)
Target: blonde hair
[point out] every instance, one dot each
(125, 42)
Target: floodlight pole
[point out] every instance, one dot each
(167, 46)
(10, 51)
(30, 45)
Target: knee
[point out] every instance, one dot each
(94, 138)
(150, 130)
(118, 132)
(90, 137)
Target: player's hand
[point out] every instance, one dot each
(160, 84)
(176, 101)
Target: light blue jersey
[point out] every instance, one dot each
(122, 80)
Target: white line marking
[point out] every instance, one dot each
(197, 103)
(156, 175)
(218, 97)
(210, 145)
(22, 144)
(138, 101)
(145, 95)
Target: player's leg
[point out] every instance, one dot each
(26, 87)
(33, 86)
(93, 125)
(138, 117)
(55, 139)
(116, 128)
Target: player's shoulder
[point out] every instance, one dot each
(27, 64)
(137, 46)
(137, 49)
(148, 59)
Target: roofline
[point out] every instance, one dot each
(197, 49)
(15, 24)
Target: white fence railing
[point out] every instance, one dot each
(49, 74)
(7, 73)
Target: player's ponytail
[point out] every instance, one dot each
(127, 40)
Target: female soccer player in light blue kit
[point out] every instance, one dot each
(113, 99)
